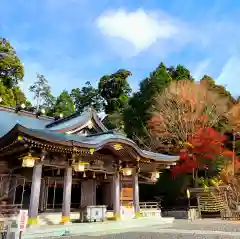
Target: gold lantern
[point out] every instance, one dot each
(127, 171)
(28, 161)
(155, 176)
(79, 166)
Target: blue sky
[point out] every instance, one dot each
(74, 41)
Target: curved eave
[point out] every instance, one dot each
(79, 121)
(62, 139)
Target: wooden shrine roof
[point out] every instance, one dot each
(59, 136)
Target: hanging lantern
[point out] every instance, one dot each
(127, 171)
(28, 161)
(79, 166)
(155, 176)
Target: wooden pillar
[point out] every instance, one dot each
(135, 186)
(116, 201)
(42, 195)
(67, 190)
(35, 194)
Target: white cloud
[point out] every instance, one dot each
(229, 76)
(139, 28)
(200, 69)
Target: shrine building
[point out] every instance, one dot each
(64, 165)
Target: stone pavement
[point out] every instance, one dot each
(143, 228)
(97, 227)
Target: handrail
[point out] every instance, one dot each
(147, 205)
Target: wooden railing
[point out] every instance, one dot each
(149, 205)
(150, 209)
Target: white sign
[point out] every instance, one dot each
(22, 220)
(127, 212)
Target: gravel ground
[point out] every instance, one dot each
(208, 225)
(201, 229)
(152, 235)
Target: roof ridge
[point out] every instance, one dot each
(24, 113)
(75, 114)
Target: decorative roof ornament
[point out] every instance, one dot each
(91, 151)
(90, 124)
(117, 146)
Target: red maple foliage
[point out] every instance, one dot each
(200, 149)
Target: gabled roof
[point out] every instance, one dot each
(95, 141)
(78, 121)
(73, 123)
(9, 118)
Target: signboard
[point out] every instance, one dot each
(127, 212)
(22, 220)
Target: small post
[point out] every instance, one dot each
(189, 210)
(20, 235)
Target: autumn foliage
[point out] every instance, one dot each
(201, 148)
(183, 108)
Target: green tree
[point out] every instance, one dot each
(180, 73)
(85, 97)
(19, 96)
(64, 104)
(141, 103)
(7, 96)
(115, 91)
(221, 90)
(11, 68)
(42, 95)
(48, 103)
